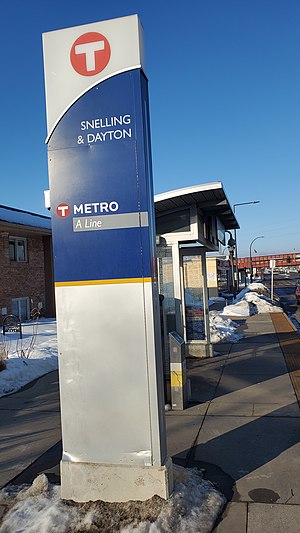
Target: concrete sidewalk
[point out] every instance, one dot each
(243, 428)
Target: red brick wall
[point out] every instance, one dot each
(22, 279)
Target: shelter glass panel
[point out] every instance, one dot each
(166, 277)
(193, 297)
(167, 309)
(223, 278)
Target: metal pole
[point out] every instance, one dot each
(205, 297)
(232, 273)
(236, 280)
(250, 256)
(272, 283)
(231, 249)
(236, 248)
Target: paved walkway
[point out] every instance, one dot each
(244, 429)
(30, 425)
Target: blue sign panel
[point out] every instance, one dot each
(99, 167)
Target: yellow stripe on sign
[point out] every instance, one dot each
(87, 282)
(178, 378)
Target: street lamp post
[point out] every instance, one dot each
(236, 248)
(250, 256)
(231, 248)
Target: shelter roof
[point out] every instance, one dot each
(209, 197)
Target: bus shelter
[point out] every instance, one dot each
(189, 223)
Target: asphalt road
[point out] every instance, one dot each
(30, 426)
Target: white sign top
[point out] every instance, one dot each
(76, 59)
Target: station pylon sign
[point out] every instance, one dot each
(101, 195)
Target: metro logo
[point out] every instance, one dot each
(90, 54)
(63, 210)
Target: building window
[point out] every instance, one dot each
(17, 249)
(21, 308)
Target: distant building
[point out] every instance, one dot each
(26, 279)
(290, 260)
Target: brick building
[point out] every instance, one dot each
(26, 278)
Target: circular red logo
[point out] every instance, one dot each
(63, 210)
(90, 54)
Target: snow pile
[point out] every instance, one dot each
(258, 288)
(216, 299)
(295, 319)
(254, 299)
(222, 329)
(194, 506)
(43, 357)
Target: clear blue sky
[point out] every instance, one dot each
(224, 97)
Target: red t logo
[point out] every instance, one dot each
(63, 210)
(90, 54)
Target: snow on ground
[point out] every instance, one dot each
(194, 506)
(222, 329)
(19, 371)
(254, 299)
(294, 318)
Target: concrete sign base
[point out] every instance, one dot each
(91, 482)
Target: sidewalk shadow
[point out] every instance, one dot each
(216, 377)
(228, 447)
(238, 452)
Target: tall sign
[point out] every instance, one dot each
(114, 442)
